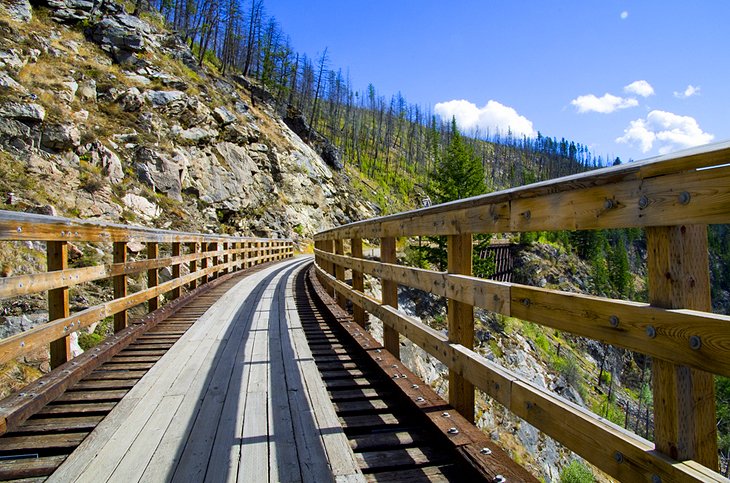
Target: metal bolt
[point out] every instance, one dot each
(395, 376)
(526, 302)
(486, 451)
(453, 431)
(446, 415)
(378, 351)
(404, 376)
(650, 331)
(527, 215)
(684, 197)
(19, 229)
(22, 344)
(643, 202)
(394, 365)
(378, 358)
(608, 204)
(656, 479)
(618, 456)
(499, 479)
(695, 342)
(414, 386)
(613, 320)
(420, 399)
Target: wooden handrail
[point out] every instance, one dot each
(685, 190)
(239, 253)
(633, 195)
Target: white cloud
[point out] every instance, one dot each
(640, 88)
(604, 104)
(668, 130)
(688, 92)
(624, 15)
(490, 117)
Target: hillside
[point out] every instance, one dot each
(105, 115)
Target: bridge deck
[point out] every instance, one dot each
(246, 358)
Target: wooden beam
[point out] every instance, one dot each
(153, 278)
(619, 453)
(461, 323)
(120, 285)
(358, 281)
(618, 322)
(42, 335)
(213, 247)
(176, 251)
(193, 266)
(660, 180)
(391, 338)
(684, 398)
(58, 308)
(340, 272)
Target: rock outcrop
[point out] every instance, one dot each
(115, 120)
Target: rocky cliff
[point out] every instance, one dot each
(109, 116)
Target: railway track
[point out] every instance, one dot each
(39, 445)
(392, 439)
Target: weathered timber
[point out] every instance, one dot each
(617, 322)
(590, 436)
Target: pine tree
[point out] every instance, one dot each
(459, 174)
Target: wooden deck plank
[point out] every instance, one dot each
(232, 400)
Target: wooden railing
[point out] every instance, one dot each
(207, 257)
(673, 197)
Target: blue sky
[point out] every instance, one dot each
(627, 78)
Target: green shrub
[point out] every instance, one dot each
(576, 472)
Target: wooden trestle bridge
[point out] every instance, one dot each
(245, 363)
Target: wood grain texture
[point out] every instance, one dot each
(340, 271)
(58, 308)
(595, 438)
(684, 398)
(460, 320)
(584, 315)
(391, 339)
(661, 179)
(358, 280)
(119, 283)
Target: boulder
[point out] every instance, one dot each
(11, 59)
(107, 160)
(131, 101)
(160, 172)
(87, 90)
(141, 206)
(198, 135)
(19, 10)
(67, 91)
(223, 116)
(23, 112)
(70, 11)
(121, 35)
(60, 136)
(163, 98)
(8, 82)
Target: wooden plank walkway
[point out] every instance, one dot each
(237, 398)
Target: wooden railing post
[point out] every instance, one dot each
(57, 259)
(153, 279)
(120, 285)
(214, 248)
(193, 267)
(357, 281)
(176, 251)
(340, 272)
(460, 323)
(684, 398)
(391, 338)
(329, 267)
